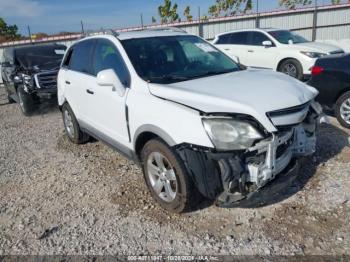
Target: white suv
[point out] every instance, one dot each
(194, 120)
(276, 49)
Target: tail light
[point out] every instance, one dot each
(316, 70)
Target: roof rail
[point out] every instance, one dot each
(168, 28)
(100, 32)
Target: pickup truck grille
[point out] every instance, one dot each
(47, 80)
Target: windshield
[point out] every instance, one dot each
(42, 57)
(171, 59)
(284, 36)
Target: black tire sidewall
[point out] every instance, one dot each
(27, 99)
(184, 184)
(297, 65)
(338, 104)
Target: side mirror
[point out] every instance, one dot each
(267, 43)
(109, 78)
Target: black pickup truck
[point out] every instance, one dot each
(29, 74)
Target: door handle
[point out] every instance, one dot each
(251, 51)
(67, 82)
(227, 49)
(89, 91)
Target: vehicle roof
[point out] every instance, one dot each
(148, 33)
(139, 34)
(252, 29)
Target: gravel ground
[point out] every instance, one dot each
(59, 198)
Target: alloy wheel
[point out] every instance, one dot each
(345, 111)
(162, 176)
(68, 122)
(290, 70)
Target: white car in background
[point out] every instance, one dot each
(276, 49)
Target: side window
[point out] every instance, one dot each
(107, 56)
(257, 38)
(80, 59)
(223, 39)
(240, 38)
(68, 57)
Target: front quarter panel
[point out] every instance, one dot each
(174, 123)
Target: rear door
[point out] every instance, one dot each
(79, 79)
(235, 45)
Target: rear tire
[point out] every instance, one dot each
(342, 110)
(26, 101)
(71, 126)
(292, 67)
(171, 176)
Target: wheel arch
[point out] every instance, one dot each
(147, 132)
(287, 58)
(340, 93)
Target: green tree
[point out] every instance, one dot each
(168, 12)
(292, 4)
(230, 7)
(8, 32)
(187, 13)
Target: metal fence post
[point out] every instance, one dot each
(314, 23)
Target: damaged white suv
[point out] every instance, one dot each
(196, 122)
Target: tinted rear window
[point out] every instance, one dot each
(223, 39)
(81, 57)
(240, 38)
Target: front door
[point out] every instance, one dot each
(258, 55)
(107, 110)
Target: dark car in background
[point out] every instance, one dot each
(30, 73)
(331, 77)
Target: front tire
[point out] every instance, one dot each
(292, 67)
(71, 126)
(342, 110)
(167, 178)
(26, 101)
(10, 100)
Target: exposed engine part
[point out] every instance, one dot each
(231, 176)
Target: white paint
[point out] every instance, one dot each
(270, 57)
(250, 92)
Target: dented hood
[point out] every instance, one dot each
(252, 92)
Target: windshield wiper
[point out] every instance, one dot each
(214, 72)
(168, 78)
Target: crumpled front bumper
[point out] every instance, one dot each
(228, 177)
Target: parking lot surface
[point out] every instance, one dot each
(60, 198)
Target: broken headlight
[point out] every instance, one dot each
(27, 80)
(230, 134)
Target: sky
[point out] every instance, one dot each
(54, 16)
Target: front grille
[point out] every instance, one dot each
(47, 80)
(289, 117)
